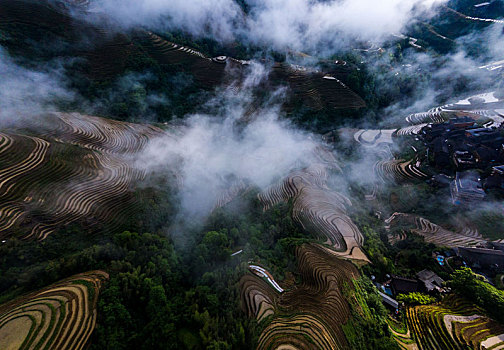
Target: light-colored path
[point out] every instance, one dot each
(492, 341)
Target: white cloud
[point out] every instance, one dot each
(302, 24)
(294, 24)
(212, 150)
(25, 91)
(200, 17)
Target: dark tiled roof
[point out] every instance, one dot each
(403, 284)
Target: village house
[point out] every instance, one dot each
(467, 188)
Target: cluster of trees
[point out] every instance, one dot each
(159, 291)
(483, 294)
(368, 327)
(404, 258)
(144, 91)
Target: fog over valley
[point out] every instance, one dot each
(251, 174)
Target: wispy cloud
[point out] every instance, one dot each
(214, 150)
(294, 24)
(28, 91)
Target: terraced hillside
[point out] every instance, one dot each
(105, 53)
(308, 316)
(484, 106)
(374, 138)
(453, 324)
(317, 208)
(258, 297)
(24, 23)
(61, 316)
(433, 233)
(399, 170)
(317, 89)
(208, 72)
(67, 167)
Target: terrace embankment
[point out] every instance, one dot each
(453, 323)
(77, 167)
(483, 106)
(320, 210)
(61, 316)
(306, 316)
(433, 233)
(399, 170)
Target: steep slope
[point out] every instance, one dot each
(50, 30)
(319, 209)
(61, 316)
(76, 168)
(453, 324)
(433, 233)
(307, 316)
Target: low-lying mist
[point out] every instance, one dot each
(212, 151)
(29, 91)
(313, 26)
(419, 80)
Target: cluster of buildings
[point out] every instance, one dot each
(474, 154)
(426, 281)
(487, 257)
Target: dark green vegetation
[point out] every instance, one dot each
(416, 298)
(368, 327)
(452, 26)
(473, 287)
(181, 289)
(184, 298)
(404, 258)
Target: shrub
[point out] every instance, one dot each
(416, 298)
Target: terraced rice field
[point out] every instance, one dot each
(491, 20)
(403, 337)
(107, 53)
(308, 316)
(318, 90)
(374, 138)
(258, 297)
(27, 21)
(399, 170)
(207, 71)
(238, 187)
(435, 115)
(433, 233)
(453, 324)
(76, 168)
(319, 209)
(483, 106)
(410, 130)
(495, 117)
(61, 316)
